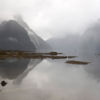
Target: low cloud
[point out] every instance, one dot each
(53, 18)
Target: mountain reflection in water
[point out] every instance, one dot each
(51, 80)
(16, 69)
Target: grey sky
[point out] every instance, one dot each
(53, 17)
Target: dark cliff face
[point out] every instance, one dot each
(14, 37)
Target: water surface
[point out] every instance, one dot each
(50, 80)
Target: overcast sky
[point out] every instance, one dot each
(53, 18)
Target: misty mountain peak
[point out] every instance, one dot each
(14, 37)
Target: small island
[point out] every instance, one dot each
(4, 54)
(77, 62)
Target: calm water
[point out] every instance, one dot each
(50, 80)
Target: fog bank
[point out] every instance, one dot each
(75, 44)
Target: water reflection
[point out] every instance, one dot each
(93, 69)
(55, 80)
(16, 69)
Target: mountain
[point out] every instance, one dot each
(15, 36)
(68, 44)
(74, 44)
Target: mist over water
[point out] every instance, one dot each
(71, 27)
(87, 43)
(54, 79)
